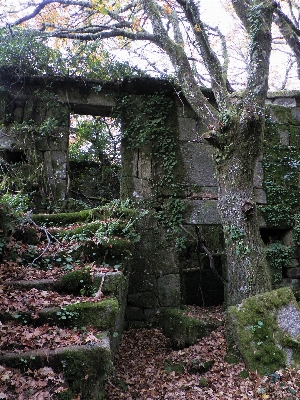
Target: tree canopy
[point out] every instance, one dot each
(198, 53)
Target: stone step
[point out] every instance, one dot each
(113, 281)
(83, 367)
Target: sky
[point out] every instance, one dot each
(213, 12)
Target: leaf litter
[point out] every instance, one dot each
(147, 368)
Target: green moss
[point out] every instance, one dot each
(85, 370)
(61, 219)
(183, 330)
(77, 282)
(101, 315)
(252, 326)
(284, 115)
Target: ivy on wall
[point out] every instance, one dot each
(147, 124)
(281, 179)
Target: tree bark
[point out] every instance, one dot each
(247, 271)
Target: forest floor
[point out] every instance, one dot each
(147, 368)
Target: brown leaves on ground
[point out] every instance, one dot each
(16, 338)
(41, 384)
(20, 269)
(146, 368)
(14, 301)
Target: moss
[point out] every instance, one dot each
(183, 330)
(61, 219)
(115, 228)
(252, 326)
(101, 315)
(77, 282)
(113, 251)
(85, 370)
(203, 382)
(284, 115)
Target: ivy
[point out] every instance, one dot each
(146, 124)
(281, 170)
(281, 174)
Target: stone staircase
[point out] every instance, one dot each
(66, 273)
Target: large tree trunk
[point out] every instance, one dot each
(247, 271)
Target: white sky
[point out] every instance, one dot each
(213, 12)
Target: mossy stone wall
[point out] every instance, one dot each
(172, 176)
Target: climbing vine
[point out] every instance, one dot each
(281, 177)
(281, 174)
(148, 125)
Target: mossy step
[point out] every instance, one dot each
(83, 367)
(113, 282)
(184, 331)
(89, 229)
(100, 213)
(62, 219)
(109, 251)
(101, 315)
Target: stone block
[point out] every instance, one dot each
(143, 300)
(198, 164)
(265, 330)
(284, 138)
(139, 189)
(258, 174)
(260, 196)
(293, 272)
(285, 101)
(168, 288)
(141, 282)
(201, 212)
(184, 331)
(296, 114)
(189, 130)
(135, 314)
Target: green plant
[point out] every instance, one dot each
(65, 314)
(281, 165)
(279, 256)
(235, 234)
(259, 325)
(149, 126)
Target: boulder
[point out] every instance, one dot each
(265, 331)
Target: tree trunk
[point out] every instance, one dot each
(247, 271)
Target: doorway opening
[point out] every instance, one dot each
(94, 158)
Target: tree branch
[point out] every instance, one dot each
(44, 3)
(291, 34)
(211, 61)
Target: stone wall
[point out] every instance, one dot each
(162, 274)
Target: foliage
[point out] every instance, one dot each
(89, 60)
(26, 52)
(148, 126)
(281, 166)
(95, 139)
(279, 256)
(16, 203)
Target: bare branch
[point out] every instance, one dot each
(211, 61)
(291, 34)
(44, 3)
